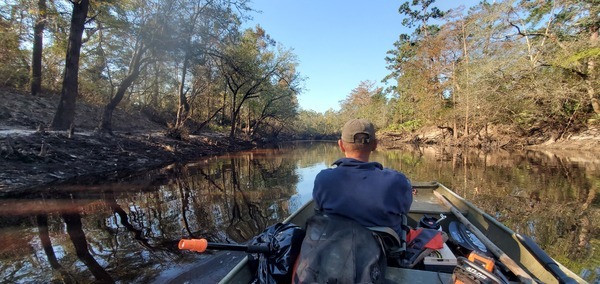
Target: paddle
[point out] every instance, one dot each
(503, 257)
(271, 254)
(201, 245)
(545, 259)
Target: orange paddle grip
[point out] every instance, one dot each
(198, 245)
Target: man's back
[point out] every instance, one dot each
(365, 192)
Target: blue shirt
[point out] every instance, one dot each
(365, 192)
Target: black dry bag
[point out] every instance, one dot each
(284, 241)
(339, 250)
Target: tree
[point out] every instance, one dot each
(188, 49)
(138, 62)
(65, 113)
(203, 26)
(530, 64)
(571, 33)
(38, 46)
(365, 101)
(169, 59)
(310, 124)
(248, 66)
(277, 105)
(145, 26)
(415, 65)
(14, 58)
(149, 36)
(420, 16)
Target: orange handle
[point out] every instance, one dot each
(484, 261)
(198, 245)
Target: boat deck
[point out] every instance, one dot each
(425, 202)
(428, 207)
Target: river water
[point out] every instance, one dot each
(128, 231)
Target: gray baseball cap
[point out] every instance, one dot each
(356, 126)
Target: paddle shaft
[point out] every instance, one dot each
(503, 257)
(234, 247)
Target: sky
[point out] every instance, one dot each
(338, 43)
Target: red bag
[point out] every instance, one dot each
(423, 238)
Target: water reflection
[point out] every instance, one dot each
(128, 232)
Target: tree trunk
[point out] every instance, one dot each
(184, 107)
(197, 130)
(454, 111)
(234, 118)
(156, 86)
(591, 90)
(592, 78)
(38, 46)
(223, 107)
(236, 107)
(467, 89)
(134, 72)
(65, 113)
(248, 123)
(106, 121)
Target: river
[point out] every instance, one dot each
(128, 231)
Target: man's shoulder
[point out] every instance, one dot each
(327, 170)
(325, 173)
(396, 176)
(393, 172)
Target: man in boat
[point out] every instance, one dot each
(361, 190)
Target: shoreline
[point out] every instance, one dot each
(38, 160)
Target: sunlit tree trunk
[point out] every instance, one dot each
(466, 94)
(454, 94)
(592, 78)
(591, 91)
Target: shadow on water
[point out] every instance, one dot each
(128, 231)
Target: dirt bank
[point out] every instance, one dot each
(30, 157)
(497, 137)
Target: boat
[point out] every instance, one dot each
(519, 253)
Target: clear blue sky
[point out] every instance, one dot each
(339, 43)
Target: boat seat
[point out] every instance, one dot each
(393, 244)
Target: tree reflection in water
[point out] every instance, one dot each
(42, 224)
(127, 230)
(109, 198)
(77, 236)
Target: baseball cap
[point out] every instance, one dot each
(356, 126)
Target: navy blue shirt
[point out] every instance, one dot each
(365, 192)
